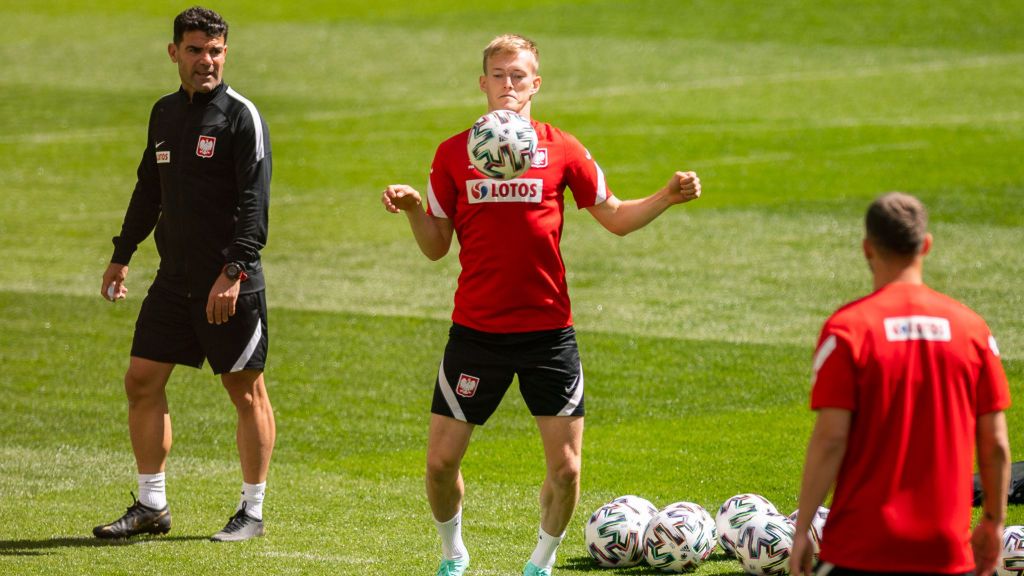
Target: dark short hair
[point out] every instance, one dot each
(202, 19)
(897, 223)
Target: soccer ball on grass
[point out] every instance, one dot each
(764, 544)
(614, 535)
(734, 513)
(680, 536)
(1011, 559)
(817, 525)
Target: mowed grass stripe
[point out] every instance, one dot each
(696, 332)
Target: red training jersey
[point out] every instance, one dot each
(916, 368)
(513, 275)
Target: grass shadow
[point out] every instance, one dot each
(47, 545)
(587, 564)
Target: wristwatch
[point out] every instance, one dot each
(235, 271)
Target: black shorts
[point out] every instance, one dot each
(478, 367)
(826, 569)
(173, 328)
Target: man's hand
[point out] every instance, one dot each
(399, 197)
(112, 288)
(801, 557)
(220, 305)
(987, 542)
(682, 187)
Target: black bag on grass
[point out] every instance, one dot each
(1016, 492)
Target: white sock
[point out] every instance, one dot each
(452, 547)
(544, 554)
(252, 499)
(153, 490)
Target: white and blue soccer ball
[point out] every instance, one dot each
(614, 535)
(502, 145)
(680, 537)
(734, 513)
(1011, 559)
(764, 544)
(817, 525)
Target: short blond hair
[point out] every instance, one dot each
(510, 44)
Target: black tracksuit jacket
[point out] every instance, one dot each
(204, 185)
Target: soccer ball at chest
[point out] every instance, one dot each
(502, 144)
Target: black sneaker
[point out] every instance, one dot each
(240, 527)
(139, 519)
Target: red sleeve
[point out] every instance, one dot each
(993, 388)
(583, 176)
(441, 188)
(834, 384)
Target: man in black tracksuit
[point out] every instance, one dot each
(203, 185)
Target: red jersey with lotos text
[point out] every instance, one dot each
(513, 276)
(916, 368)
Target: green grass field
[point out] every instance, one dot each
(696, 332)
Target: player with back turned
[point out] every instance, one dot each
(908, 386)
(512, 315)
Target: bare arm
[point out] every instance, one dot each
(825, 453)
(624, 216)
(433, 235)
(993, 448)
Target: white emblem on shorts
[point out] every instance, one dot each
(467, 385)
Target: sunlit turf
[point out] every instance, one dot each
(696, 333)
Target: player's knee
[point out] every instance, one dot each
(140, 388)
(566, 473)
(247, 395)
(242, 399)
(441, 467)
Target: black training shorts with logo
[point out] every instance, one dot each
(478, 367)
(172, 328)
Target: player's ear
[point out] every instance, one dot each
(483, 81)
(926, 246)
(869, 249)
(536, 85)
(172, 51)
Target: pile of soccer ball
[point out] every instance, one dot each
(679, 537)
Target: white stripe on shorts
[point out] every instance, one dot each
(824, 569)
(577, 395)
(249, 348)
(449, 396)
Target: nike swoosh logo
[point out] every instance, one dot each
(159, 143)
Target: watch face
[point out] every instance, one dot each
(232, 271)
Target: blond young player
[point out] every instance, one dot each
(512, 314)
